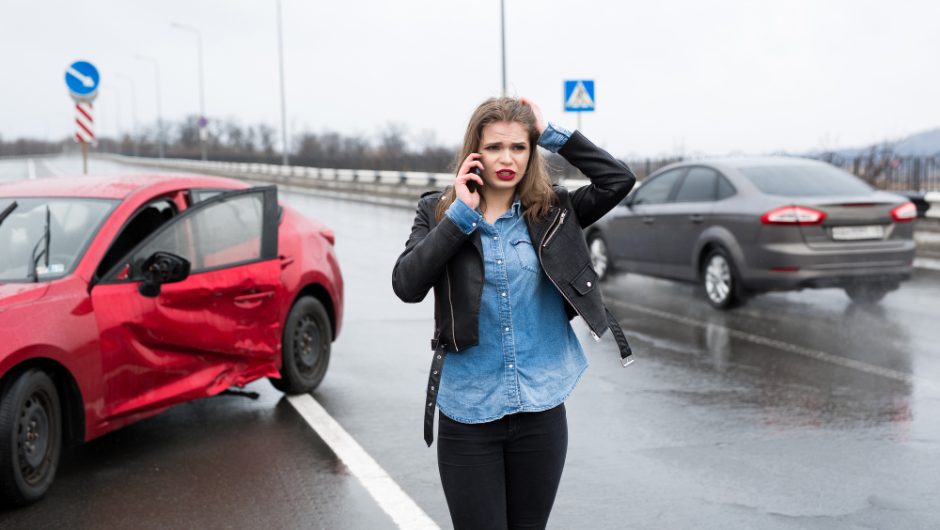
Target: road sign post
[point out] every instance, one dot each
(84, 129)
(579, 97)
(82, 80)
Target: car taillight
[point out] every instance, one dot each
(904, 213)
(793, 215)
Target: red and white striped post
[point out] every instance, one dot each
(81, 78)
(84, 129)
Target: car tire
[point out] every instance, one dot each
(868, 293)
(600, 257)
(305, 347)
(31, 435)
(719, 280)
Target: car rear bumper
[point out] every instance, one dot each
(797, 266)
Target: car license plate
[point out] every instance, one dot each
(856, 233)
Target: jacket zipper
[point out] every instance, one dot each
(545, 240)
(450, 302)
(552, 233)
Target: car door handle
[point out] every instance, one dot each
(649, 220)
(695, 218)
(251, 300)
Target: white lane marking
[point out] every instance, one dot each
(31, 169)
(927, 263)
(52, 168)
(785, 346)
(386, 492)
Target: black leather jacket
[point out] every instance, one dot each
(439, 255)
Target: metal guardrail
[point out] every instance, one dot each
(379, 186)
(406, 185)
(394, 183)
(374, 176)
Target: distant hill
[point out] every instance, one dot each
(920, 144)
(925, 143)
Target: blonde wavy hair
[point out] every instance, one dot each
(535, 188)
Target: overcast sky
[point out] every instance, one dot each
(709, 77)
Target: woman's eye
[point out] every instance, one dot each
(492, 148)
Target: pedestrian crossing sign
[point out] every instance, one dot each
(579, 95)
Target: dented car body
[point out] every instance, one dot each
(123, 296)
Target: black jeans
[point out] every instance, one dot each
(502, 474)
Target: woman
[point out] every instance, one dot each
(509, 267)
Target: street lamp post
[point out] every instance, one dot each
(502, 32)
(156, 71)
(134, 131)
(117, 114)
(280, 55)
(202, 94)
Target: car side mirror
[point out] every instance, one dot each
(161, 268)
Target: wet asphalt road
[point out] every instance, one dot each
(798, 410)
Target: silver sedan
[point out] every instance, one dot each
(741, 226)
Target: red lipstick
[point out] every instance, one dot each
(505, 174)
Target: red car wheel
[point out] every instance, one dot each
(31, 434)
(305, 348)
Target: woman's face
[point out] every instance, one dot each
(505, 149)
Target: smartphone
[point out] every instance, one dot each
(473, 185)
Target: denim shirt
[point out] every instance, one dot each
(528, 358)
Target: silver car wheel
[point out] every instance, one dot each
(718, 279)
(599, 256)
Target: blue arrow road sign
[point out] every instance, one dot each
(579, 95)
(82, 79)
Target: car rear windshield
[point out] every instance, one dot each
(805, 181)
(43, 238)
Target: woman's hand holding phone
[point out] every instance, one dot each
(469, 179)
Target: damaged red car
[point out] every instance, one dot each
(123, 296)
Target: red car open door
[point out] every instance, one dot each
(220, 326)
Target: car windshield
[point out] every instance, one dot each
(43, 238)
(805, 181)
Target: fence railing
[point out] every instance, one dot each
(912, 173)
(410, 184)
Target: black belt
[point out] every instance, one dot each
(626, 353)
(437, 366)
(434, 384)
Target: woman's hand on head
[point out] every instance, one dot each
(460, 182)
(540, 124)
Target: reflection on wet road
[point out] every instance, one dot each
(798, 410)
